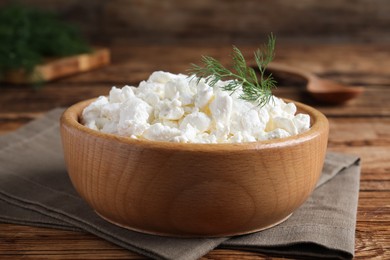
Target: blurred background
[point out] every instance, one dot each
(346, 41)
(223, 21)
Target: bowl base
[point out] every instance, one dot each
(189, 235)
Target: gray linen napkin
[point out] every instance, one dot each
(35, 190)
(324, 227)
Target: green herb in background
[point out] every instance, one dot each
(254, 89)
(27, 36)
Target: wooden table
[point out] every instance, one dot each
(360, 127)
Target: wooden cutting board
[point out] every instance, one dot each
(60, 67)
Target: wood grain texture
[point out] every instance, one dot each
(360, 65)
(193, 190)
(218, 21)
(60, 67)
(360, 127)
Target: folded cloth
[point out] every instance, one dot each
(35, 190)
(324, 226)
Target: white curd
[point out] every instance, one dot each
(174, 108)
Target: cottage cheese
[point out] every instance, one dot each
(170, 107)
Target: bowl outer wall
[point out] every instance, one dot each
(195, 190)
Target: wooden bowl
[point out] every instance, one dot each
(193, 190)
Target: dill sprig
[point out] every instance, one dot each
(254, 89)
(28, 36)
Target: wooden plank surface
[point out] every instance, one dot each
(360, 127)
(225, 21)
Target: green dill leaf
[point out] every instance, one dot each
(241, 76)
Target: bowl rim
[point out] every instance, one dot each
(71, 119)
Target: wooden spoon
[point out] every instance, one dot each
(323, 90)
